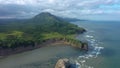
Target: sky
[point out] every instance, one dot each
(81, 9)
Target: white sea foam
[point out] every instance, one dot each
(82, 65)
(78, 65)
(93, 53)
(89, 36)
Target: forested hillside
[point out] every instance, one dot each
(38, 29)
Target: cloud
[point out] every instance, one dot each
(65, 8)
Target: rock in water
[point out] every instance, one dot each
(84, 46)
(62, 63)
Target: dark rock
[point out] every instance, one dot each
(84, 46)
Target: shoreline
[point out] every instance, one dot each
(51, 42)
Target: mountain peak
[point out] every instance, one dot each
(43, 14)
(46, 13)
(45, 17)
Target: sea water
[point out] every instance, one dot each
(104, 40)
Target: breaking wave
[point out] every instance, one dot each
(95, 50)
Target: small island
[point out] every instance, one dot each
(39, 31)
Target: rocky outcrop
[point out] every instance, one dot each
(63, 63)
(84, 46)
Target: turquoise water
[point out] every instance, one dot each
(104, 41)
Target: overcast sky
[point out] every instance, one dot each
(82, 9)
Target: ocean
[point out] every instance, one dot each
(104, 38)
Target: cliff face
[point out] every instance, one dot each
(9, 51)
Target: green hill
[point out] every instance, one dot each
(38, 29)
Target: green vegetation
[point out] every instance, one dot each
(37, 30)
